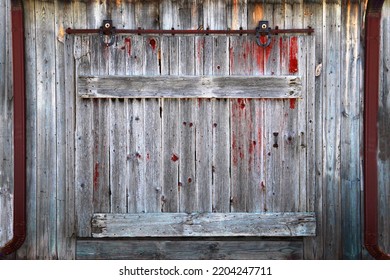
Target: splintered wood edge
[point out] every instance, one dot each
(282, 224)
(279, 87)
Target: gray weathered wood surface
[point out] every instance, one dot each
(203, 224)
(258, 151)
(384, 134)
(332, 130)
(189, 87)
(190, 249)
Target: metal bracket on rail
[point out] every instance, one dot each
(263, 29)
(108, 30)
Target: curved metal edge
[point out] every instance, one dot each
(19, 90)
(371, 109)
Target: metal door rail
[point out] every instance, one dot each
(262, 31)
(275, 31)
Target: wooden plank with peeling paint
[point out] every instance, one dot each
(203, 224)
(189, 87)
(152, 127)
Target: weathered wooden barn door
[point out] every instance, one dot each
(247, 153)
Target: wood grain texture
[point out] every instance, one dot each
(332, 112)
(189, 87)
(313, 247)
(203, 224)
(350, 139)
(331, 133)
(46, 136)
(190, 249)
(383, 128)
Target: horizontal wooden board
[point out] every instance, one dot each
(245, 248)
(203, 224)
(189, 87)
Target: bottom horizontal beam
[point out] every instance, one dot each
(204, 224)
(239, 248)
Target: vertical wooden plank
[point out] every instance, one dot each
(153, 144)
(135, 156)
(216, 63)
(203, 130)
(100, 58)
(314, 16)
(256, 189)
(118, 156)
(188, 18)
(331, 118)
(215, 14)
(237, 14)
(383, 128)
(219, 46)
(136, 145)
(300, 105)
(170, 113)
(170, 128)
(70, 217)
(101, 134)
(242, 119)
(118, 131)
(274, 126)
(46, 138)
(187, 183)
(241, 125)
(83, 130)
(350, 133)
(63, 19)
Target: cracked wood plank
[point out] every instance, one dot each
(189, 87)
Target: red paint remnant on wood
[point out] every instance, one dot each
(292, 103)
(260, 58)
(96, 176)
(153, 44)
(128, 46)
(293, 65)
(251, 146)
(268, 51)
(262, 186)
(191, 124)
(234, 149)
(231, 57)
(174, 157)
(241, 103)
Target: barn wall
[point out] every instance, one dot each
(336, 175)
